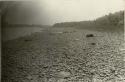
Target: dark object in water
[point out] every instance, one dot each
(89, 35)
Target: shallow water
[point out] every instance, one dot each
(10, 33)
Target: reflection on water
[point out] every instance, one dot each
(15, 32)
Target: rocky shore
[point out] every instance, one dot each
(64, 55)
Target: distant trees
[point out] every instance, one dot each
(17, 12)
(107, 21)
(5, 7)
(111, 19)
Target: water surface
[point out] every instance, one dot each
(10, 33)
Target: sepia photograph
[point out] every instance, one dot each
(62, 41)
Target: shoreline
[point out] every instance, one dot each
(42, 56)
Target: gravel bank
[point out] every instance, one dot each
(64, 55)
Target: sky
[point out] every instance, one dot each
(78, 10)
(48, 12)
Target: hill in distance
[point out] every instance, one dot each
(112, 21)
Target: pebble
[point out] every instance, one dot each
(64, 74)
(29, 77)
(61, 80)
(77, 39)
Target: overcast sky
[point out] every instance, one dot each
(78, 10)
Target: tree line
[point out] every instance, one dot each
(112, 20)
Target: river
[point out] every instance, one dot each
(10, 33)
